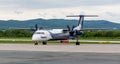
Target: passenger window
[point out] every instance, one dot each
(43, 37)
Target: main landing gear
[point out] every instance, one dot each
(44, 43)
(77, 41)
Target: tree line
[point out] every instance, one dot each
(86, 34)
(15, 33)
(110, 34)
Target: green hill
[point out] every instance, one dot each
(55, 23)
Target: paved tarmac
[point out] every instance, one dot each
(96, 48)
(60, 54)
(100, 41)
(40, 57)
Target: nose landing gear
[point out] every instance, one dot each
(36, 43)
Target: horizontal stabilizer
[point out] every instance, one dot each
(82, 16)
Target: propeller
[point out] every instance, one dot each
(68, 27)
(36, 27)
(73, 27)
(71, 31)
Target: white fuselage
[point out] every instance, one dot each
(41, 35)
(54, 34)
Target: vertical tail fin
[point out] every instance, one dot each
(81, 20)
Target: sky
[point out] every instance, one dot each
(59, 9)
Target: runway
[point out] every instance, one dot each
(96, 48)
(59, 54)
(39, 57)
(100, 41)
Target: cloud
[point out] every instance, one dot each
(38, 4)
(110, 13)
(113, 14)
(50, 9)
(18, 12)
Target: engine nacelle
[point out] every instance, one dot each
(75, 33)
(79, 33)
(71, 33)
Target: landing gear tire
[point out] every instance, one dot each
(44, 43)
(36, 43)
(77, 43)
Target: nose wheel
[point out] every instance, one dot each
(36, 43)
(44, 43)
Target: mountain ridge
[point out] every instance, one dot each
(55, 23)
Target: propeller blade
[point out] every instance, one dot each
(31, 28)
(68, 27)
(73, 27)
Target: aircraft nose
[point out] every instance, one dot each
(35, 37)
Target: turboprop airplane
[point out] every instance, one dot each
(60, 34)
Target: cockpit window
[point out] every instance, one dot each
(43, 37)
(39, 32)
